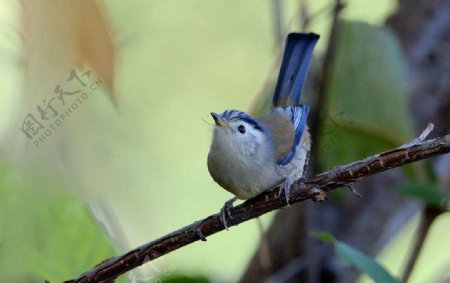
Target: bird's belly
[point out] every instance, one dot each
(243, 180)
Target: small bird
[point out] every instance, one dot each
(251, 155)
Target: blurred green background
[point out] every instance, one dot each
(108, 180)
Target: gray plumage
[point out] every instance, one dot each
(246, 164)
(251, 155)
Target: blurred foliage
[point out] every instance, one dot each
(428, 193)
(185, 279)
(366, 106)
(357, 258)
(176, 61)
(48, 234)
(434, 256)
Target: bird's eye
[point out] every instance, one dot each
(241, 129)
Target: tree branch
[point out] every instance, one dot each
(314, 188)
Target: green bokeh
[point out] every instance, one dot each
(366, 110)
(45, 233)
(176, 62)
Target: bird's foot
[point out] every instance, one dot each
(198, 231)
(285, 189)
(225, 212)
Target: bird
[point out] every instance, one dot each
(250, 155)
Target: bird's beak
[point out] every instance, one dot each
(218, 120)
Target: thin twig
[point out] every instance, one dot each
(423, 136)
(313, 188)
(322, 85)
(279, 20)
(309, 18)
(273, 72)
(323, 79)
(428, 216)
(304, 14)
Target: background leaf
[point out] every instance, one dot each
(426, 192)
(45, 234)
(366, 109)
(360, 260)
(186, 279)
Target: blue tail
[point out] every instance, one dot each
(294, 68)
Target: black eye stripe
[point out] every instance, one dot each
(239, 116)
(252, 123)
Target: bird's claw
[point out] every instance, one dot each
(285, 190)
(198, 232)
(225, 212)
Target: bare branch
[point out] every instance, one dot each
(313, 188)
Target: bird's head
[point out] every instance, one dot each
(237, 131)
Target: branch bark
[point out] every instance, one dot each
(314, 188)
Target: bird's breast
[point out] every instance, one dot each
(244, 176)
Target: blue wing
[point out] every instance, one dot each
(294, 68)
(298, 115)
